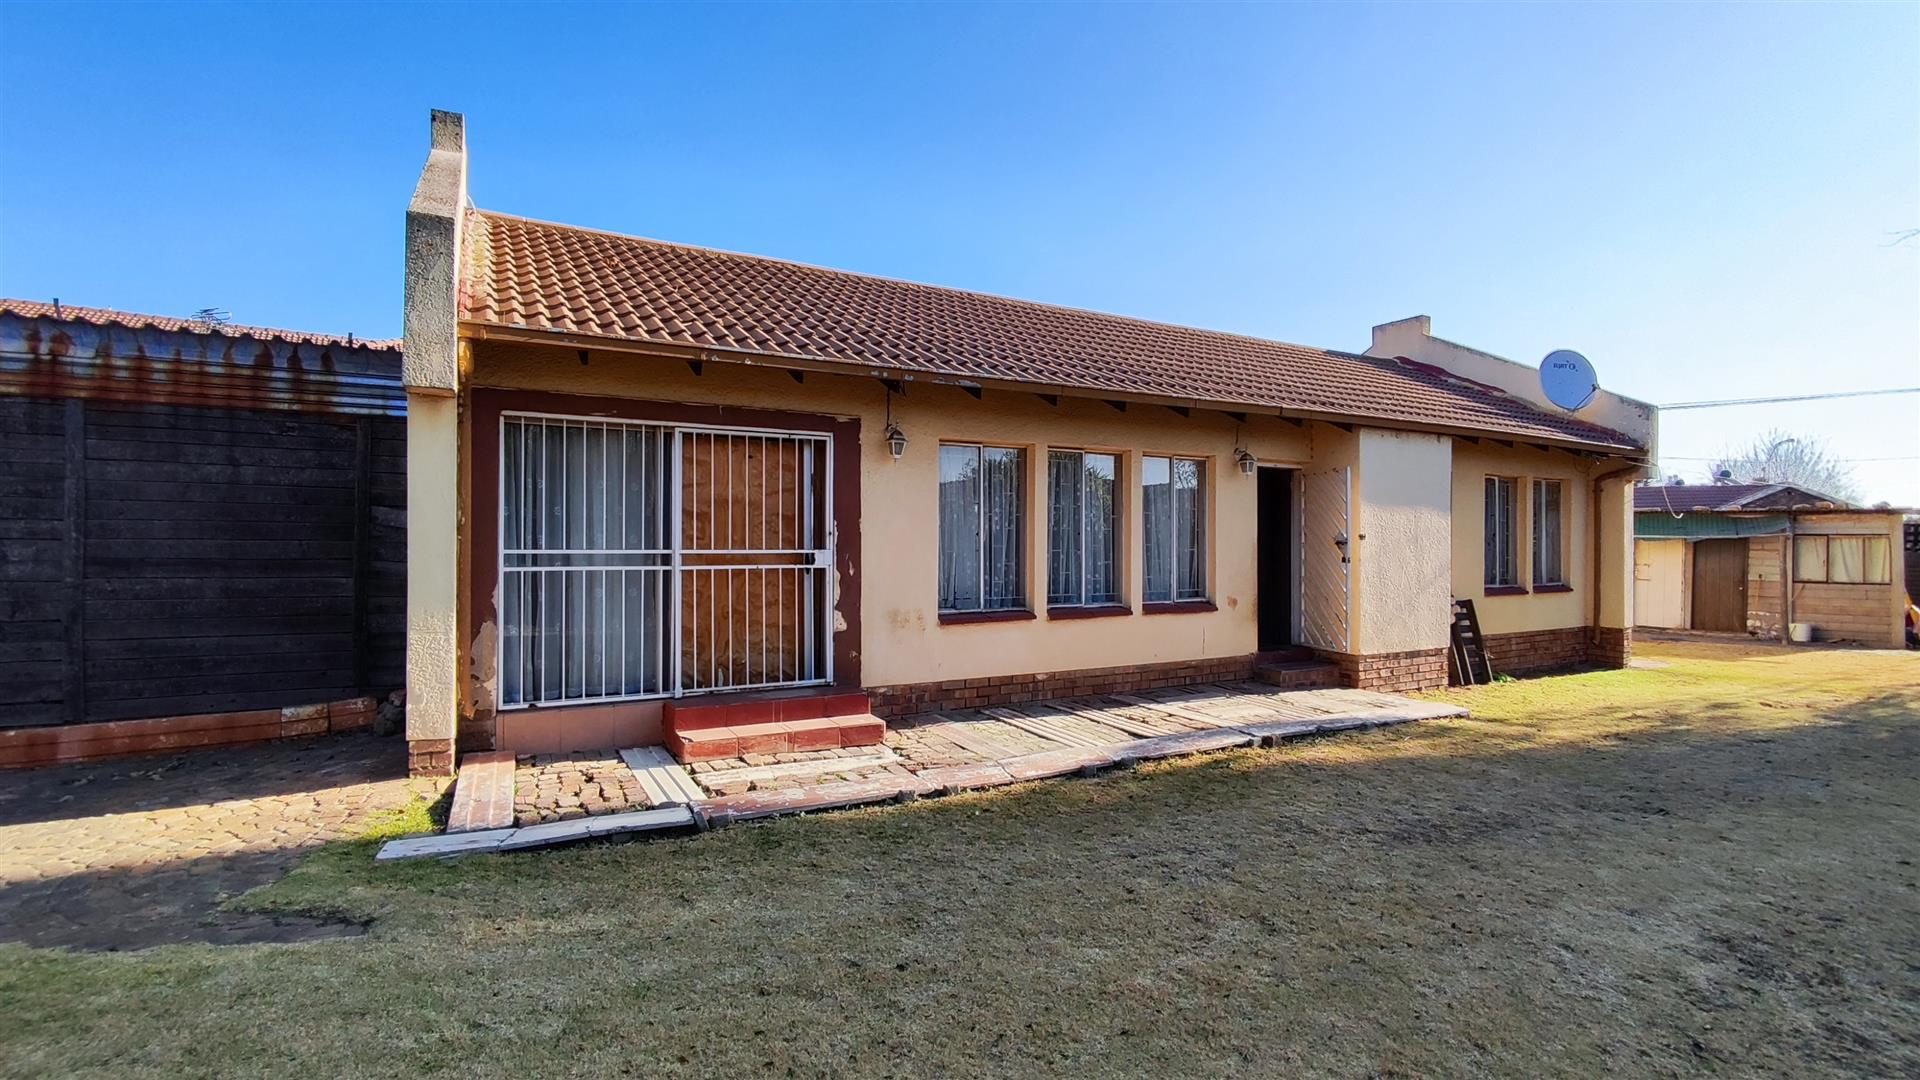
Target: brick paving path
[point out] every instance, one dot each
(560, 787)
(140, 851)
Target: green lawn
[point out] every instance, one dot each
(1708, 866)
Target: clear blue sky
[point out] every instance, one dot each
(1697, 197)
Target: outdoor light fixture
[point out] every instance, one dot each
(896, 441)
(1247, 461)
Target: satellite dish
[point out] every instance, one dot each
(1567, 379)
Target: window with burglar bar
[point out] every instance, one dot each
(982, 528)
(1547, 549)
(644, 560)
(1500, 536)
(1173, 503)
(1082, 537)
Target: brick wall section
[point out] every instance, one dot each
(1531, 651)
(1612, 647)
(1393, 673)
(429, 757)
(890, 702)
(23, 747)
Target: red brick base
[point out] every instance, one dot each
(21, 747)
(1530, 652)
(1393, 673)
(1612, 646)
(909, 699)
(429, 757)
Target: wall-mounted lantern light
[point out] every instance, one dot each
(896, 441)
(1248, 463)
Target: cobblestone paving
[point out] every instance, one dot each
(139, 852)
(717, 776)
(557, 787)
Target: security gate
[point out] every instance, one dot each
(1326, 559)
(651, 560)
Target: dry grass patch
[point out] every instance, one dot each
(1706, 866)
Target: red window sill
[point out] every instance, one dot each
(1552, 588)
(1506, 590)
(961, 618)
(1095, 611)
(1176, 607)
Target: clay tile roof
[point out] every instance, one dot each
(530, 274)
(33, 309)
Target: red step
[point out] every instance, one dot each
(776, 737)
(779, 706)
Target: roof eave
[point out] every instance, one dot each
(487, 331)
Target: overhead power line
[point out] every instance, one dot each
(1789, 397)
(1722, 457)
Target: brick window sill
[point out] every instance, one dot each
(1176, 607)
(1560, 587)
(1091, 611)
(962, 618)
(1506, 590)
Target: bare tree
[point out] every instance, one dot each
(1775, 457)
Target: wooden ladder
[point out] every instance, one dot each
(1469, 652)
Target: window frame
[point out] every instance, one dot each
(1195, 595)
(1115, 524)
(1489, 540)
(1867, 568)
(1022, 604)
(1537, 532)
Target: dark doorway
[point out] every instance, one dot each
(1276, 536)
(1720, 585)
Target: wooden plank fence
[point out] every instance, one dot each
(161, 560)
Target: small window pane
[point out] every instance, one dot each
(1547, 551)
(1499, 538)
(1156, 506)
(1809, 558)
(960, 528)
(1066, 519)
(1879, 569)
(1101, 472)
(1846, 559)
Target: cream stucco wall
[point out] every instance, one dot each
(433, 577)
(903, 640)
(1534, 610)
(1401, 598)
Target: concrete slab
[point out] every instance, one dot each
(441, 847)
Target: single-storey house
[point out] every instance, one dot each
(1758, 558)
(646, 478)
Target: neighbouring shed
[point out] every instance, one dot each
(204, 532)
(1757, 558)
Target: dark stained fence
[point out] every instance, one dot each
(164, 560)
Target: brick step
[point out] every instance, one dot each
(772, 707)
(1287, 655)
(1299, 675)
(778, 737)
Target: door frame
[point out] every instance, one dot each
(1286, 539)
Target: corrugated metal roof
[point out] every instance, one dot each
(1706, 526)
(170, 361)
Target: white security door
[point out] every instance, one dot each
(1326, 563)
